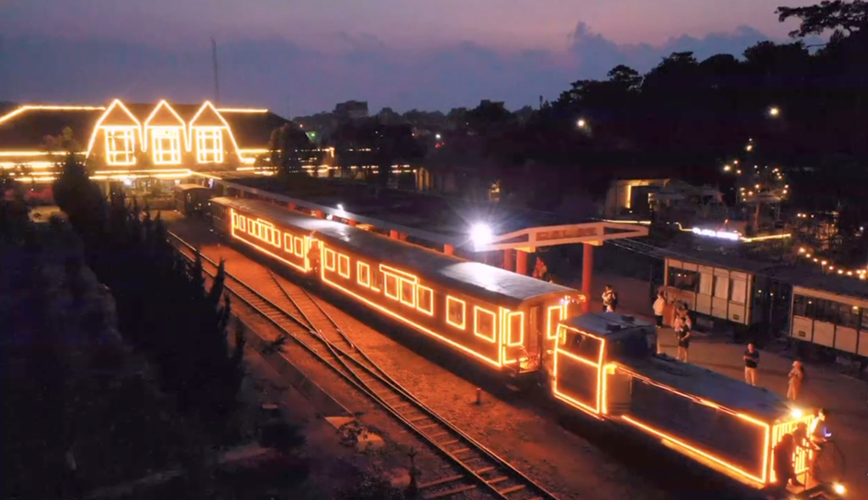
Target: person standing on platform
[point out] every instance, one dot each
(610, 299)
(659, 309)
(751, 363)
(796, 377)
(684, 332)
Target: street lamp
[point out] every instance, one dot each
(774, 111)
(581, 123)
(481, 235)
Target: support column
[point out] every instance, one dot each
(587, 274)
(449, 249)
(521, 262)
(393, 234)
(507, 259)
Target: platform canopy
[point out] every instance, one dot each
(593, 233)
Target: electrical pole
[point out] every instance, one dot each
(216, 75)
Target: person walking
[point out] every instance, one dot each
(610, 299)
(751, 363)
(796, 378)
(683, 332)
(659, 308)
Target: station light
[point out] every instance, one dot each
(774, 111)
(481, 234)
(581, 123)
(839, 488)
(797, 413)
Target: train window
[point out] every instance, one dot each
(683, 279)
(363, 274)
(706, 282)
(287, 242)
(483, 321)
(516, 329)
(408, 293)
(848, 316)
(455, 309)
(298, 245)
(329, 259)
(864, 319)
(344, 265)
(800, 304)
(392, 286)
(721, 287)
(425, 299)
(586, 347)
(738, 292)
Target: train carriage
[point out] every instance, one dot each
(606, 366)
(192, 198)
(500, 318)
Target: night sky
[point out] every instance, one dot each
(301, 56)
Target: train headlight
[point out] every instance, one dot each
(839, 488)
(797, 413)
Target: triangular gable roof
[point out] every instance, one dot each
(116, 115)
(164, 115)
(208, 116)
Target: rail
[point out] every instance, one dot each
(481, 466)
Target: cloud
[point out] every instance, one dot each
(295, 79)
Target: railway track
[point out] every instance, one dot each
(470, 466)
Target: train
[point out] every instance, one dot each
(604, 365)
(823, 313)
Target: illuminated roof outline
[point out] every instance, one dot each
(155, 116)
(220, 123)
(100, 126)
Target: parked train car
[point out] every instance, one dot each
(757, 300)
(192, 199)
(606, 366)
(502, 319)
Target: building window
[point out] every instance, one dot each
(209, 145)
(121, 146)
(166, 143)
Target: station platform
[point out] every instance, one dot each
(844, 397)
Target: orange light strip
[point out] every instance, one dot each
(29, 107)
(239, 225)
(38, 153)
(476, 311)
(766, 451)
(693, 449)
(520, 316)
(242, 110)
(344, 266)
(424, 291)
(449, 304)
(404, 320)
(551, 323)
(363, 274)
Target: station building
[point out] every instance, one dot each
(123, 141)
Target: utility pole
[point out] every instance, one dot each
(216, 75)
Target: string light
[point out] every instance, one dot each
(861, 274)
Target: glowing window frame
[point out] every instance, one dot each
(237, 232)
(363, 274)
(552, 326)
(476, 311)
(559, 351)
(509, 337)
(329, 255)
(452, 300)
(412, 286)
(343, 265)
(430, 309)
(298, 247)
(173, 136)
(287, 243)
(209, 152)
(397, 281)
(127, 137)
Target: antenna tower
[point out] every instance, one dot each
(216, 74)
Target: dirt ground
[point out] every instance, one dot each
(532, 439)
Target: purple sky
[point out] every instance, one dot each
(302, 56)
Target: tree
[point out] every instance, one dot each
(287, 146)
(840, 17)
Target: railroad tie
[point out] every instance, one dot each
(438, 482)
(449, 493)
(483, 470)
(512, 489)
(496, 480)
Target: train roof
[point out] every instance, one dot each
(806, 277)
(190, 187)
(478, 279)
(690, 379)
